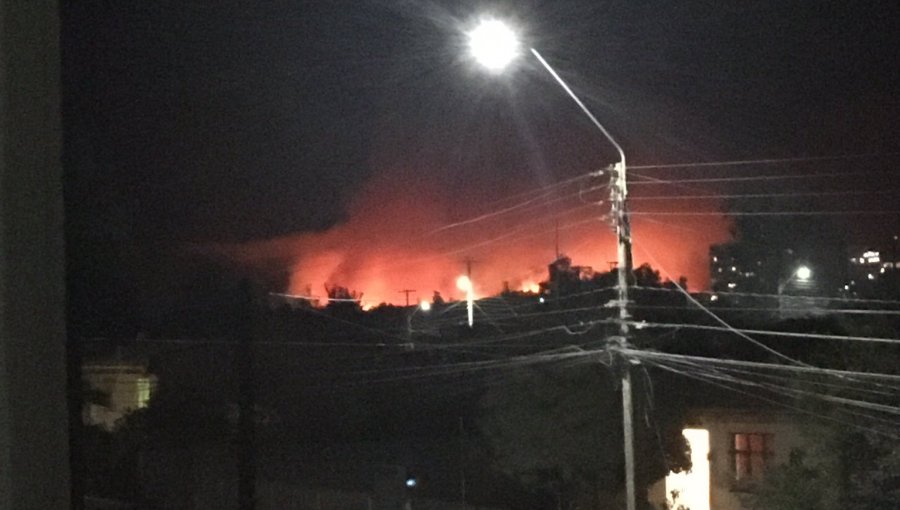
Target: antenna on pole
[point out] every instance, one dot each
(557, 239)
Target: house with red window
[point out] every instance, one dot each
(731, 452)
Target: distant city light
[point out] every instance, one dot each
(870, 276)
(870, 257)
(803, 273)
(493, 44)
(425, 306)
(541, 299)
(411, 482)
(731, 285)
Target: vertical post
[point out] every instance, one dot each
(407, 292)
(557, 240)
(624, 267)
(246, 399)
(619, 192)
(34, 449)
(462, 462)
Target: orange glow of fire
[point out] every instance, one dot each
(393, 241)
(531, 286)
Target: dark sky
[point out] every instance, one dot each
(229, 121)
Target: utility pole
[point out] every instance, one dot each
(557, 240)
(619, 195)
(407, 292)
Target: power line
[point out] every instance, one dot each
(766, 195)
(765, 161)
(806, 369)
(761, 309)
(723, 322)
(763, 213)
(755, 294)
(755, 395)
(714, 376)
(778, 177)
(512, 208)
(767, 332)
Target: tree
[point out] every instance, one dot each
(558, 431)
(873, 464)
(342, 300)
(796, 485)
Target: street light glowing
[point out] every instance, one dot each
(464, 283)
(493, 44)
(425, 306)
(803, 273)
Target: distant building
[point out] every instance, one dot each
(565, 278)
(734, 268)
(867, 268)
(116, 388)
(787, 282)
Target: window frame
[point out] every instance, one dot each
(743, 476)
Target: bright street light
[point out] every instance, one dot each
(493, 44)
(464, 284)
(802, 274)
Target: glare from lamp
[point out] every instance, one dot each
(803, 273)
(493, 44)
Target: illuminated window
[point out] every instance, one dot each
(751, 453)
(143, 391)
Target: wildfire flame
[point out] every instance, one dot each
(396, 240)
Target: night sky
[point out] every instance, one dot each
(281, 132)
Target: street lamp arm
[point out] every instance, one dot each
(581, 105)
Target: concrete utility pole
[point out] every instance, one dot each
(619, 192)
(618, 197)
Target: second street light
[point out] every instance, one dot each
(495, 45)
